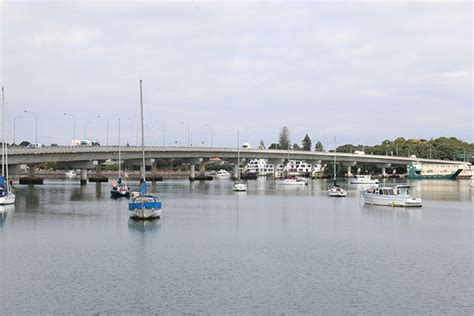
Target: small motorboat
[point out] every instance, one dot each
(222, 174)
(292, 181)
(71, 174)
(364, 179)
(399, 195)
(239, 186)
(120, 189)
(337, 191)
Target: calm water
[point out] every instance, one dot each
(71, 249)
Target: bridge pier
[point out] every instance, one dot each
(349, 171)
(192, 172)
(31, 178)
(98, 177)
(83, 176)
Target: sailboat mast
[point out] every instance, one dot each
(334, 159)
(143, 133)
(238, 155)
(119, 153)
(3, 131)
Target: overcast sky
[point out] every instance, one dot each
(361, 71)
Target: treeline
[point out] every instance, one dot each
(444, 148)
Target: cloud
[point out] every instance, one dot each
(318, 67)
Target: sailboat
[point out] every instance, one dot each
(144, 205)
(119, 188)
(239, 186)
(7, 196)
(336, 190)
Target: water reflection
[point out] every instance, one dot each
(32, 196)
(144, 226)
(4, 211)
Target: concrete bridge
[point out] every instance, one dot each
(92, 157)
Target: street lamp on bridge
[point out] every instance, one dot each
(36, 124)
(14, 128)
(74, 126)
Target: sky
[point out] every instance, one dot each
(362, 72)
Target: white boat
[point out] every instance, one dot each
(364, 179)
(7, 194)
(292, 181)
(71, 174)
(399, 195)
(119, 188)
(336, 190)
(239, 186)
(222, 174)
(143, 205)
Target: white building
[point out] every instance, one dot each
(293, 167)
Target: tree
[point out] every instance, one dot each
(318, 146)
(296, 147)
(261, 144)
(284, 139)
(306, 142)
(24, 143)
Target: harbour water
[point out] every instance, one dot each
(66, 248)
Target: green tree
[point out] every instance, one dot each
(274, 146)
(296, 147)
(284, 139)
(319, 146)
(261, 144)
(306, 142)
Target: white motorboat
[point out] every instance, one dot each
(7, 194)
(292, 181)
(239, 187)
(399, 195)
(222, 174)
(336, 190)
(364, 179)
(71, 174)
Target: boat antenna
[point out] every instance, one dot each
(143, 133)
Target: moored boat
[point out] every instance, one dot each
(222, 174)
(144, 205)
(7, 194)
(119, 188)
(336, 190)
(239, 186)
(363, 179)
(399, 195)
(292, 181)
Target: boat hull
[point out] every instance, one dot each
(119, 194)
(374, 199)
(7, 200)
(145, 213)
(337, 194)
(365, 181)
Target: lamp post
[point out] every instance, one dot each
(107, 135)
(14, 128)
(36, 124)
(212, 134)
(133, 119)
(85, 124)
(74, 127)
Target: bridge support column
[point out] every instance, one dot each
(384, 173)
(192, 172)
(98, 177)
(349, 171)
(202, 169)
(31, 178)
(83, 176)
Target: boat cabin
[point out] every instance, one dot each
(399, 190)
